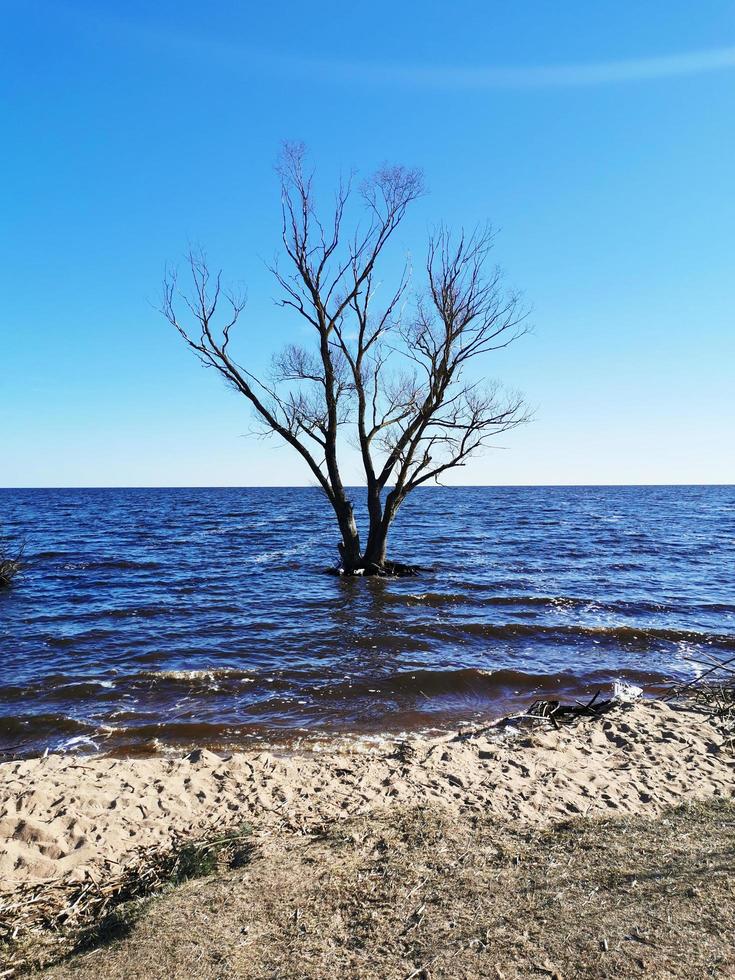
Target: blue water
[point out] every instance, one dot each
(153, 618)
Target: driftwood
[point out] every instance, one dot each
(712, 692)
(544, 712)
(557, 713)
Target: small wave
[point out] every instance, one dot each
(123, 564)
(201, 674)
(273, 557)
(55, 686)
(75, 690)
(139, 612)
(431, 599)
(627, 636)
(77, 638)
(190, 732)
(76, 561)
(77, 742)
(439, 599)
(214, 679)
(41, 724)
(488, 684)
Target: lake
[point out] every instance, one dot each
(147, 619)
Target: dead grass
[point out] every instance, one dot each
(424, 894)
(46, 922)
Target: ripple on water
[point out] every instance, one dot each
(147, 618)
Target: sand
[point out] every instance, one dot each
(64, 816)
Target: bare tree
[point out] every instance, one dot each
(393, 372)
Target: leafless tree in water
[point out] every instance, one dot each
(391, 367)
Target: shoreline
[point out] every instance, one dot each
(73, 817)
(483, 696)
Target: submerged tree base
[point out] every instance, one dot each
(389, 569)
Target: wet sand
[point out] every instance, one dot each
(64, 816)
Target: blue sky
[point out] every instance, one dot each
(598, 138)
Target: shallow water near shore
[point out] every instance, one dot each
(147, 619)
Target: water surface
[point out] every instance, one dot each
(170, 617)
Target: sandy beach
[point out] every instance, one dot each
(64, 816)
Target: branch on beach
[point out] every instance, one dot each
(712, 691)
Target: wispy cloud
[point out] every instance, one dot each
(464, 77)
(545, 76)
(231, 55)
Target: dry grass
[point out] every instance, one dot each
(422, 894)
(44, 922)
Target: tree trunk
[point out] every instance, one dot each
(378, 535)
(374, 558)
(349, 546)
(381, 518)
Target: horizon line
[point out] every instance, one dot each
(362, 486)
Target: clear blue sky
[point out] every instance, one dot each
(599, 137)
